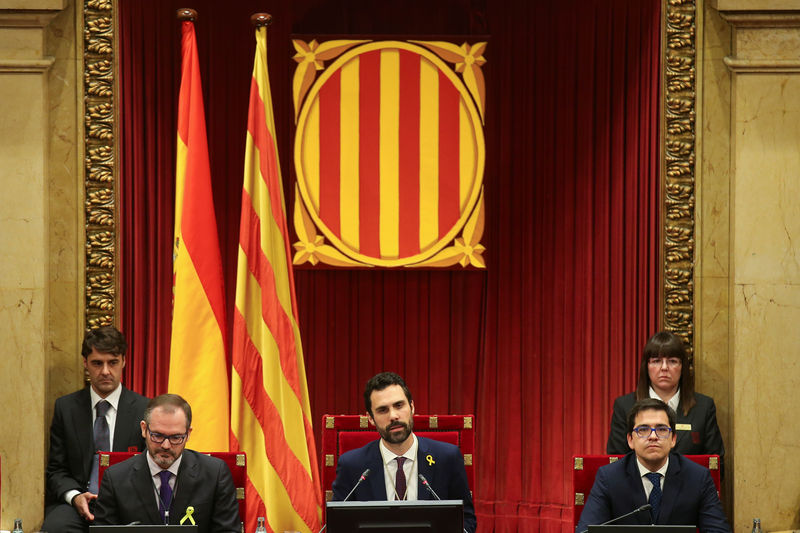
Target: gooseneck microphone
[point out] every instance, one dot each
(364, 475)
(645, 507)
(428, 486)
(430, 489)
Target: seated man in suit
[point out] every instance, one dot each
(106, 410)
(169, 483)
(398, 458)
(679, 490)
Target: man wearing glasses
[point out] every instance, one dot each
(169, 483)
(678, 490)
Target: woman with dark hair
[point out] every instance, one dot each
(664, 374)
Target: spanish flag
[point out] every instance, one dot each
(270, 413)
(198, 367)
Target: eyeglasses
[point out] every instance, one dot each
(644, 432)
(158, 438)
(672, 362)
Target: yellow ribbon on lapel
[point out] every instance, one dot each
(188, 515)
(430, 460)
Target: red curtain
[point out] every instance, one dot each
(539, 344)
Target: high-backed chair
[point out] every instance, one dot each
(584, 469)
(341, 433)
(236, 461)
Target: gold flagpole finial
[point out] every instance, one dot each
(260, 19)
(187, 13)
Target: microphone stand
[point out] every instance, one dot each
(363, 476)
(645, 507)
(433, 492)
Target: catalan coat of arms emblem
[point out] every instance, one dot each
(389, 153)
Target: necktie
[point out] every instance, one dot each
(400, 480)
(655, 494)
(164, 495)
(101, 441)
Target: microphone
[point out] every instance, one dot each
(430, 489)
(364, 475)
(361, 478)
(428, 486)
(645, 507)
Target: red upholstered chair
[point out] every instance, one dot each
(236, 461)
(341, 433)
(584, 469)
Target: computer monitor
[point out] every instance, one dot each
(416, 516)
(657, 528)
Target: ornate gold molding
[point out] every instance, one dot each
(679, 70)
(679, 30)
(99, 162)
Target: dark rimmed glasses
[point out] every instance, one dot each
(644, 432)
(158, 438)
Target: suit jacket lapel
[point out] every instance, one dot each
(672, 488)
(125, 423)
(186, 485)
(84, 432)
(426, 465)
(636, 488)
(377, 474)
(145, 489)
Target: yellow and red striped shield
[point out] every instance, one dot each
(389, 154)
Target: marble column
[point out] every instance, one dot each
(764, 259)
(26, 271)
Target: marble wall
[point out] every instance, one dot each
(712, 230)
(758, 202)
(39, 214)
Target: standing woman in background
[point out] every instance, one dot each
(664, 374)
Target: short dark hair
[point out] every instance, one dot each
(646, 405)
(380, 382)
(667, 344)
(105, 339)
(170, 403)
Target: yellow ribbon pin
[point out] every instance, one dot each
(188, 515)
(430, 460)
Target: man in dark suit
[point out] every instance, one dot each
(169, 484)
(71, 474)
(679, 490)
(398, 457)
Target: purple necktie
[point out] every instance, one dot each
(165, 495)
(400, 480)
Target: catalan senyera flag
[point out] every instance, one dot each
(270, 412)
(198, 368)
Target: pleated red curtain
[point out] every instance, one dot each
(539, 344)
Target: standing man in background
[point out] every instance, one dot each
(102, 417)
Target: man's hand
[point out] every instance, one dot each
(81, 504)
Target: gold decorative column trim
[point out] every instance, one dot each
(679, 128)
(99, 163)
